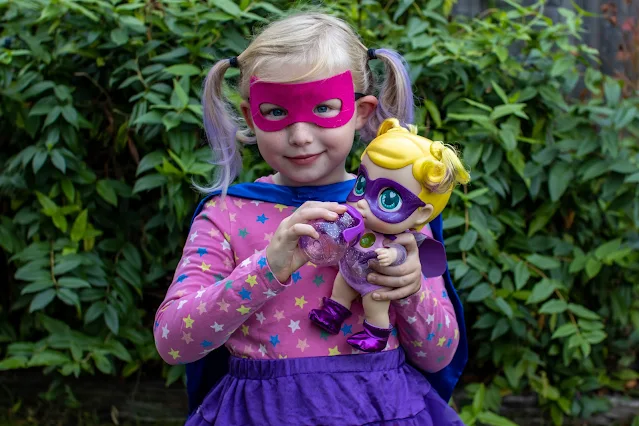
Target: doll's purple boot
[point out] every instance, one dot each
(330, 316)
(372, 339)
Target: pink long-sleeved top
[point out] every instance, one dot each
(224, 293)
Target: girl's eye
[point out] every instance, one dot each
(360, 185)
(273, 112)
(328, 109)
(389, 200)
(321, 109)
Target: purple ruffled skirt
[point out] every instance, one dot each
(368, 389)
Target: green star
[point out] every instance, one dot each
(269, 276)
(324, 335)
(318, 280)
(229, 284)
(243, 232)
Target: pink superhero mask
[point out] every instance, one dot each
(299, 100)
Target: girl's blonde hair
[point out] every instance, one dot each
(436, 166)
(325, 45)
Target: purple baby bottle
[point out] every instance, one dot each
(334, 237)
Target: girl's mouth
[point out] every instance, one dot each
(303, 160)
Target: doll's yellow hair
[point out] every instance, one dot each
(436, 166)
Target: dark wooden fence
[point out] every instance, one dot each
(600, 33)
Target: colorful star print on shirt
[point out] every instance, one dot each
(224, 293)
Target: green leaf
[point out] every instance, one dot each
(48, 357)
(554, 306)
(582, 312)
(102, 362)
(504, 110)
(79, 227)
(593, 266)
(504, 306)
(181, 94)
(595, 337)
(106, 191)
(565, 330)
(478, 399)
(434, 113)
(68, 297)
(500, 329)
(94, 312)
(541, 291)
(480, 292)
(560, 177)
(58, 161)
(228, 6)
(72, 282)
(183, 69)
(543, 262)
(607, 249)
(111, 319)
(492, 419)
(41, 300)
(468, 240)
(612, 90)
(562, 66)
(148, 182)
(521, 275)
(37, 286)
(13, 363)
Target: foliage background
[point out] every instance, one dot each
(101, 140)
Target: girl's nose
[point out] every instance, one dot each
(300, 133)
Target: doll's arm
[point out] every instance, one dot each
(211, 296)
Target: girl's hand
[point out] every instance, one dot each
(402, 280)
(283, 254)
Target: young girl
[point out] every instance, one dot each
(244, 284)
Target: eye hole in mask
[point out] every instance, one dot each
(326, 109)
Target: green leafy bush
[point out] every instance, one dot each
(101, 141)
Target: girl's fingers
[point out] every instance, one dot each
(302, 229)
(392, 281)
(396, 294)
(312, 213)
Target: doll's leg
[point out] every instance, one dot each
(336, 308)
(343, 293)
(377, 327)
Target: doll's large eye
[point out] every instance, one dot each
(360, 185)
(389, 200)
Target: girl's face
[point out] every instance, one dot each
(389, 198)
(303, 153)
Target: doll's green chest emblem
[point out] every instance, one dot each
(367, 240)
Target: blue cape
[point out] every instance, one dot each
(203, 374)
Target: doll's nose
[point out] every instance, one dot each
(362, 206)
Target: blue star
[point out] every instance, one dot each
(201, 251)
(157, 324)
(262, 218)
(450, 342)
(246, 295)
(430, 336)
(275, 340)
(182, 278)
(394, 332)
(262, 262)
(296, 276)
(444, 295)
(347, 329)
(206, 344)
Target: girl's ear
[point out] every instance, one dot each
(246, 112)
(366, 106)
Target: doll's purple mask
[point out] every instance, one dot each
(299, 101)
(389, 201)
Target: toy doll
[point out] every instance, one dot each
(404, 182)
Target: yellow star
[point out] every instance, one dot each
(245, 329)
(441, 341)
(280, 207)
(417, 343)
(211, 203)
(188, 321)
(422, 296)
(299, 301)
(227, 237)
(252, 280)
(243, 310)
(205, 267)
(333, 351)
(175, 354)
(456, 333)
(434, 301)
(283, 356)
(312, 264)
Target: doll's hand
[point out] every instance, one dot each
(283, 253)
(386, 256)
(402, 280)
